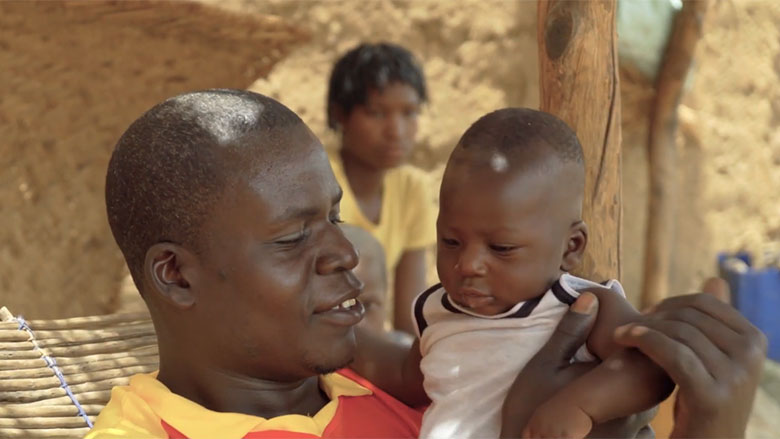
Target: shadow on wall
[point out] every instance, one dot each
(692, 232)
(75, 75)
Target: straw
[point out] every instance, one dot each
(56, 375)
(92, 366)
(13, 433)
(51, 382)
(18, 396)
(38, 423)
(44, 411)
(98, 397)
(91, 322)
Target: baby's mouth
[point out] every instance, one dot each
(472, 298)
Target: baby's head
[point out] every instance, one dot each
(371, 270)
(510, 217)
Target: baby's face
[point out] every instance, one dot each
(501, 236)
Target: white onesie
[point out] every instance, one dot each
(469, 361)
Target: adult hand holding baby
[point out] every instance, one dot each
(550, 370)
(712, 353)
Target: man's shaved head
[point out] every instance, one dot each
(520, 138)
(174, 162)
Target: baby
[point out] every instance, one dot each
(509, 230)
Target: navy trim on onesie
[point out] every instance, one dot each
(445, 302)
(418, 307)
(526, 309)
(561, 293)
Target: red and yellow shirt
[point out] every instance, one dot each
(147, 409)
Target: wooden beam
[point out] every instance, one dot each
(579, 82)
(662, 152)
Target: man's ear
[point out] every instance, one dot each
(575, 246)
(165, 265)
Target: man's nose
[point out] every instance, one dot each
(338, 253)
(471, 263)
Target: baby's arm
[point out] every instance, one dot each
(391, 365)
(626, 382)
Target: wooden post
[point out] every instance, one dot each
(662, 153)
(579, 82)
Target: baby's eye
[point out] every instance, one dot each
(498, 248)
(336, 219)
(449, 242)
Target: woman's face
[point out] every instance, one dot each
(381, 132)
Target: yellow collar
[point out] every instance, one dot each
(198, 422)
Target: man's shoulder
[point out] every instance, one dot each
(374, 413)
(127, 415)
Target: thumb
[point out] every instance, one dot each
(718, 288)
(571, 333)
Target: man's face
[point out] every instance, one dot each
(501, 237)
(275, 279)
(381, 132)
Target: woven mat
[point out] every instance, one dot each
(56, 375)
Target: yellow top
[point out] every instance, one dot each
(136, 411)
(407, 219)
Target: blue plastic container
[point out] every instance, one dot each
(756, 294)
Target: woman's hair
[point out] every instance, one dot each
(367, 67)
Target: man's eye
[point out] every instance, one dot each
(336, 220)
(292, 240)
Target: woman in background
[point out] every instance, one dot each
(374, 99)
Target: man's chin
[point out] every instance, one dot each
(323, 369)
(340, 354)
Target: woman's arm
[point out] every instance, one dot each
(391, 365)
(410, 280)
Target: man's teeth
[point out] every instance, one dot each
(349, 303)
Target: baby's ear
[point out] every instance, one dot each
(575, 246)
(164, 268)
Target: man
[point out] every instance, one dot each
(226, 210)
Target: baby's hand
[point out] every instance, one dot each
(558, 418)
